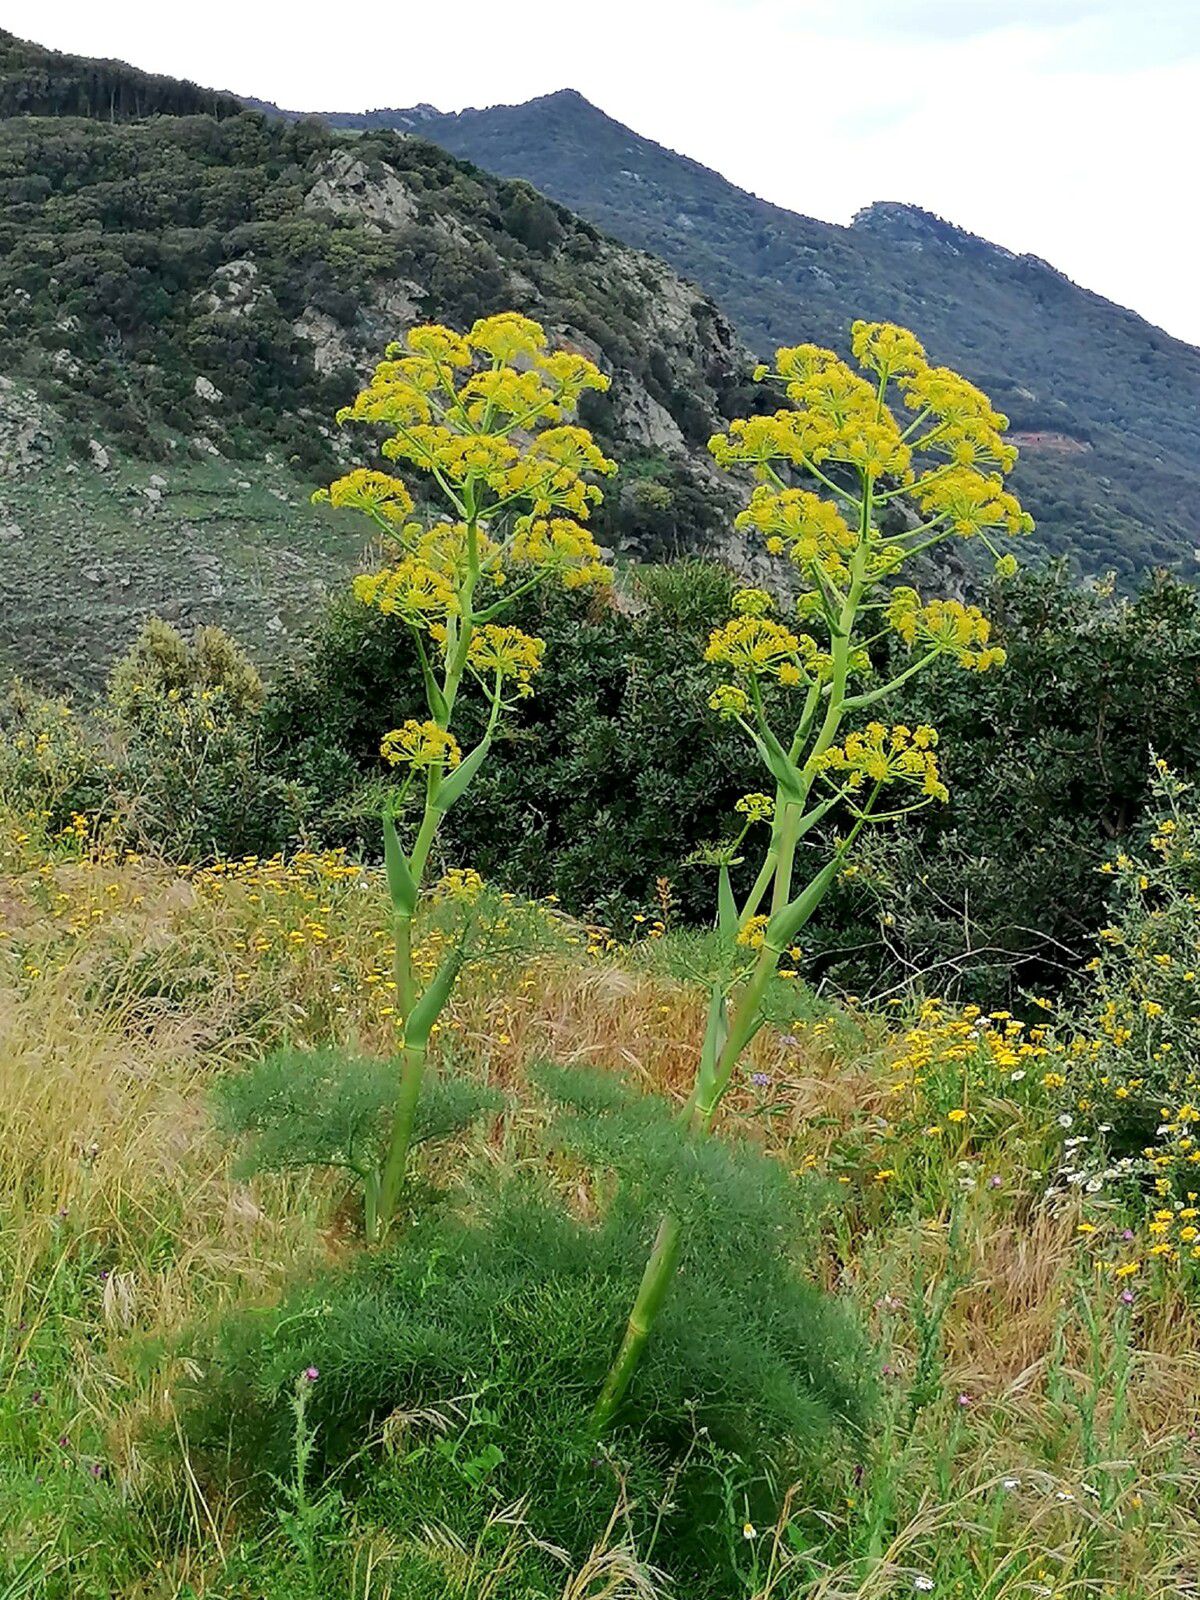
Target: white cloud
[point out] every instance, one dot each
(1059, 127)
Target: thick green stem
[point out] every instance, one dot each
(720, 1056)
(412, 1073)
(656, 1280)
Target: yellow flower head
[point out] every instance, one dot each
(754, 647)
(885, 349)
(753, 932)
(506, 652)
(729, 700)
(439, 344)
(374, 492)
(420, 744)
(508, 337)
(752, 603)
(947, 626)
(563, 547)
(412, 590)
(809, 530)
(756, 807)
(972, 503)
(885, 755)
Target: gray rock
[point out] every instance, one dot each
(344, 185)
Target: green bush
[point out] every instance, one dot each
(1047, 762)
(54, 764)
(1134, 1055)
(188, 782)
(607, 776)
(477, 1340)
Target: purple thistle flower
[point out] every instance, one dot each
(311, 1374)
(761, 1080)
(1126, 1297)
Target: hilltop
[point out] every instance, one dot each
(1105, 406)
(186, 300)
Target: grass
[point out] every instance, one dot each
(1036, 1435)
(226, 540)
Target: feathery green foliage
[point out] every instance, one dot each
(326, 1107)
(497, 1315)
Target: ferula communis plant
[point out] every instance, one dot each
(827, 467)
(482, 417)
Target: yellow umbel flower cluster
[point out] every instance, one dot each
(420, 744)
(886, 755)
(756, 807)
(413, 590)
(562, 547)
(950, 459)
(375, 492)
(946, 626)
(505, 652)
(757, 647)
(803, 526)
(970, 503)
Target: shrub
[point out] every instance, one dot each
(188, 781)
(53, 761)
(1135, 1050)
(1047, 767)
(475, 1340)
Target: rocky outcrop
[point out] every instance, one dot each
(24, 430)
(235, 290)
(377, 195)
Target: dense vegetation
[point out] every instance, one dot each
(1111, 403)
(1029, 1302)
(615, 773)
(115, 240)
(47, 83)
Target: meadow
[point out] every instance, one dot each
(1033, 1433)
(371, 1230)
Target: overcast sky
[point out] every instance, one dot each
(1063, 127)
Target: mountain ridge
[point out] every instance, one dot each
(1062, 360)
(1105, 406)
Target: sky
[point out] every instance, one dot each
(1065, 128)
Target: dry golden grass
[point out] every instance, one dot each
(126, 988)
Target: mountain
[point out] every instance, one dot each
(1105, 406)
(187, 298)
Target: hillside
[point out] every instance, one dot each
(189, 298)
(49, 83)
(1108, 406)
